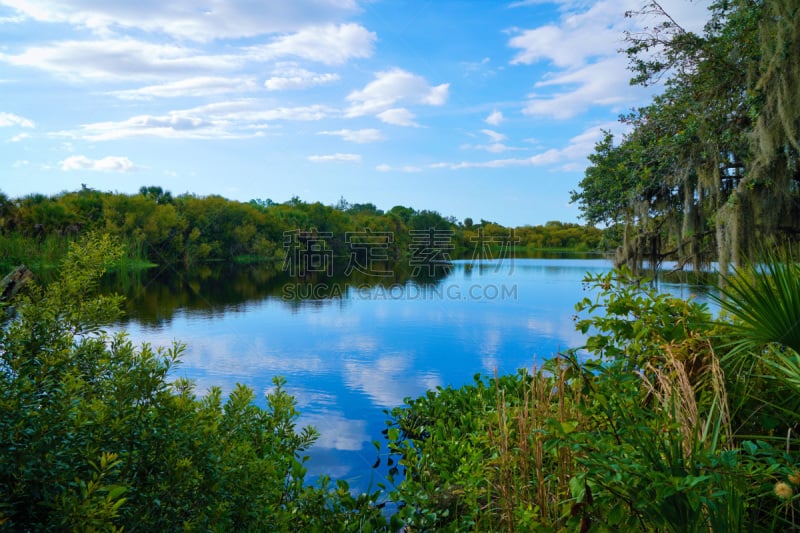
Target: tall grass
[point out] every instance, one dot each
(39, 253)
(531, 474)
(47, 252)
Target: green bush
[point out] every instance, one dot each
(95, 437)
(641, 430)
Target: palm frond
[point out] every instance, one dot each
(764, 300)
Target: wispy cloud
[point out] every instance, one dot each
(222, 120)
(576, 151)
(351, 158)
(398, 117)
(106, 164)
(363, 136)
(288, 76)
(193, 86)
(199, 20)
(405, 168)
(597, 84)
(121, 59)
(118, 59)
(330, 44)
(495, 136)
(10, 119)
(583, 48)
(496, 145)
(19, 137)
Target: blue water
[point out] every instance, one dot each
(348, 358)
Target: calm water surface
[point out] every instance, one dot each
(349, 357)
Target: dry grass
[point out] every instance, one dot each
(691, 390)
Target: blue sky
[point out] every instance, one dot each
(474, 108)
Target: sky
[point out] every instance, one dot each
(474, 108)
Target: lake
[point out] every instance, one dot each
(350, 347)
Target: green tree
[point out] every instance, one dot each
(709, 168)
(604, 194)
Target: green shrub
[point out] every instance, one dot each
(95, 437)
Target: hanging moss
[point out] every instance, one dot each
(717, 154)
(777, 82)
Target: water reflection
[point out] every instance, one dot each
(153, 296)
(348, 358)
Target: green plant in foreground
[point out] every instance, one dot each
(764, 299)
(95, 437)
(642, 437)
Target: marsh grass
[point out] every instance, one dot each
(531, 473)
(47, 252)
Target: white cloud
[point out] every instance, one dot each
(106, 164)
(572, 156)
(110, 57)
(354, 158)
(393, 86)
(496, 145)
(692, 16)
(165, 126)
(222, 120)
(405, 168)
(495, 119)
(398, 117)
(20, 163)
(289, 76)
(19, 137)
(252, 111)
(495, 136)
(330, 44)
(194, 86)
(598, 84)
(10, 119)
(495, 148)
(199, 20)
(583, 47)
(336, 431)
(581, 34)
(357, 136)
(16, 19)
(388, 379)
(120, 59)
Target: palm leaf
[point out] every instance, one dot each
(764, 301)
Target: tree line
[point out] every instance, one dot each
(709, 169)
(160, 228)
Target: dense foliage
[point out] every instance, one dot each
(95, 437)
(709, 170)
(160, 228)
(662, 423)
